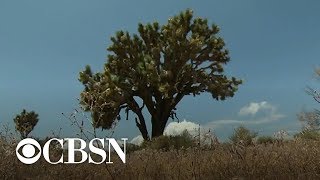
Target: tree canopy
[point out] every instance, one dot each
(25, 122)
(160, 65)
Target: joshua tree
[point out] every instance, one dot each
(155, 69)
(25, 122)
(312, 119)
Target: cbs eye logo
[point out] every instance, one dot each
(28, 151)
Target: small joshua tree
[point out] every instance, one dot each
(25, 122)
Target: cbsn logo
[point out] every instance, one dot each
(28, 150)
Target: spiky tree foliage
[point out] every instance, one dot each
(310, 119)
(25, 122)
(160, 65)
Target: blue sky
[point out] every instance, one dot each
(274, 47)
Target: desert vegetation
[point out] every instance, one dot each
(242, 157)
(152, 71)
(25, 122)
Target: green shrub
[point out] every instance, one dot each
(184, 140)
(161, 142)
(132, 147)
(265, 140)
(308, 134)
(242, 135)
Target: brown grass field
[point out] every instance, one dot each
(294, 159)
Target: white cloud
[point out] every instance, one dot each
(177, 128)
(173, 129)
(138, 140)
(218, 123)
(270, 114)
(253, 108)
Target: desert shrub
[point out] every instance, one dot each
(242, 135)
(161, 142)
(265, 140)
(132, 147)
(183, 140)
(308, 134)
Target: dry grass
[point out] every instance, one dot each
(298, 159)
